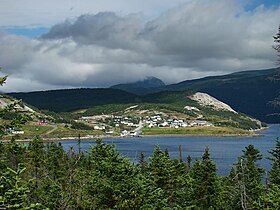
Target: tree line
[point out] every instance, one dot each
(45, 176)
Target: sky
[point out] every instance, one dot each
(98, 43)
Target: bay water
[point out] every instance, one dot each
(223, 150)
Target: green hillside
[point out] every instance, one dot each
(74, 99)
(256, 93)
(111, 101)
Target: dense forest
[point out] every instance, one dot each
(45, 176)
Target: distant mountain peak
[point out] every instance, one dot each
(141, 87)
(149, 82)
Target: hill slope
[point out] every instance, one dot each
(74, 99)
(256, 93)
(179, 104)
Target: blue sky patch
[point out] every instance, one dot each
(253, 4)
(28, 32)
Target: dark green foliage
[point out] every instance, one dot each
(41, 176)
(246, 180)
(80, 126)
(168, 180)
(269, 200)
(106, 109)
(260, 99)
(11, 118)
(113, 183)
(142, 163)
(277, 42)
(206, 187)
(14, 191)
(74, 99)
(254, 99)
(168, 102)
(275, 169)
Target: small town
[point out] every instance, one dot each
(132, 126)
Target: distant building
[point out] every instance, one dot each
(42, 122)
(17, 132)
(99, 127)
(201, 123)
(109, 132)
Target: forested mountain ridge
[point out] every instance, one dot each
(117, 102)
(73, 99)
(255, 92)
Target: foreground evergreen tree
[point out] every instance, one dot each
(14, 191)
(57, 182)
(230, 195)
(206, 187)
(269, 200)
(274, 174)
(248, 178)
(35, 165)
(167, 178)
(277, 41)
(113, 182)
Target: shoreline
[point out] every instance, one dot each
(252, 134)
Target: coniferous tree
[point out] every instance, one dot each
(269, 200)
(248, 177)
(168, 180)
(14, 191)
(189, 162)
(55, 176)
(142, 162)
(159, 167)
(14, 154)
(275, 169)
(230, 195)
(112, 181)
(34, 164)
(206, 189)
(277, 41)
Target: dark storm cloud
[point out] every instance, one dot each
(198, 39)
(103, 29)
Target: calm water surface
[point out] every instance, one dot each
(223, 150)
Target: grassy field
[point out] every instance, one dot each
(64, 132)
(203, 131)
(51, 131)
(32, 130)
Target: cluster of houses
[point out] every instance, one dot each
(114, 121)
(121, 122)
(158, 121)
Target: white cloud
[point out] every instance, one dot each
(199, 38)
(47, 13)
